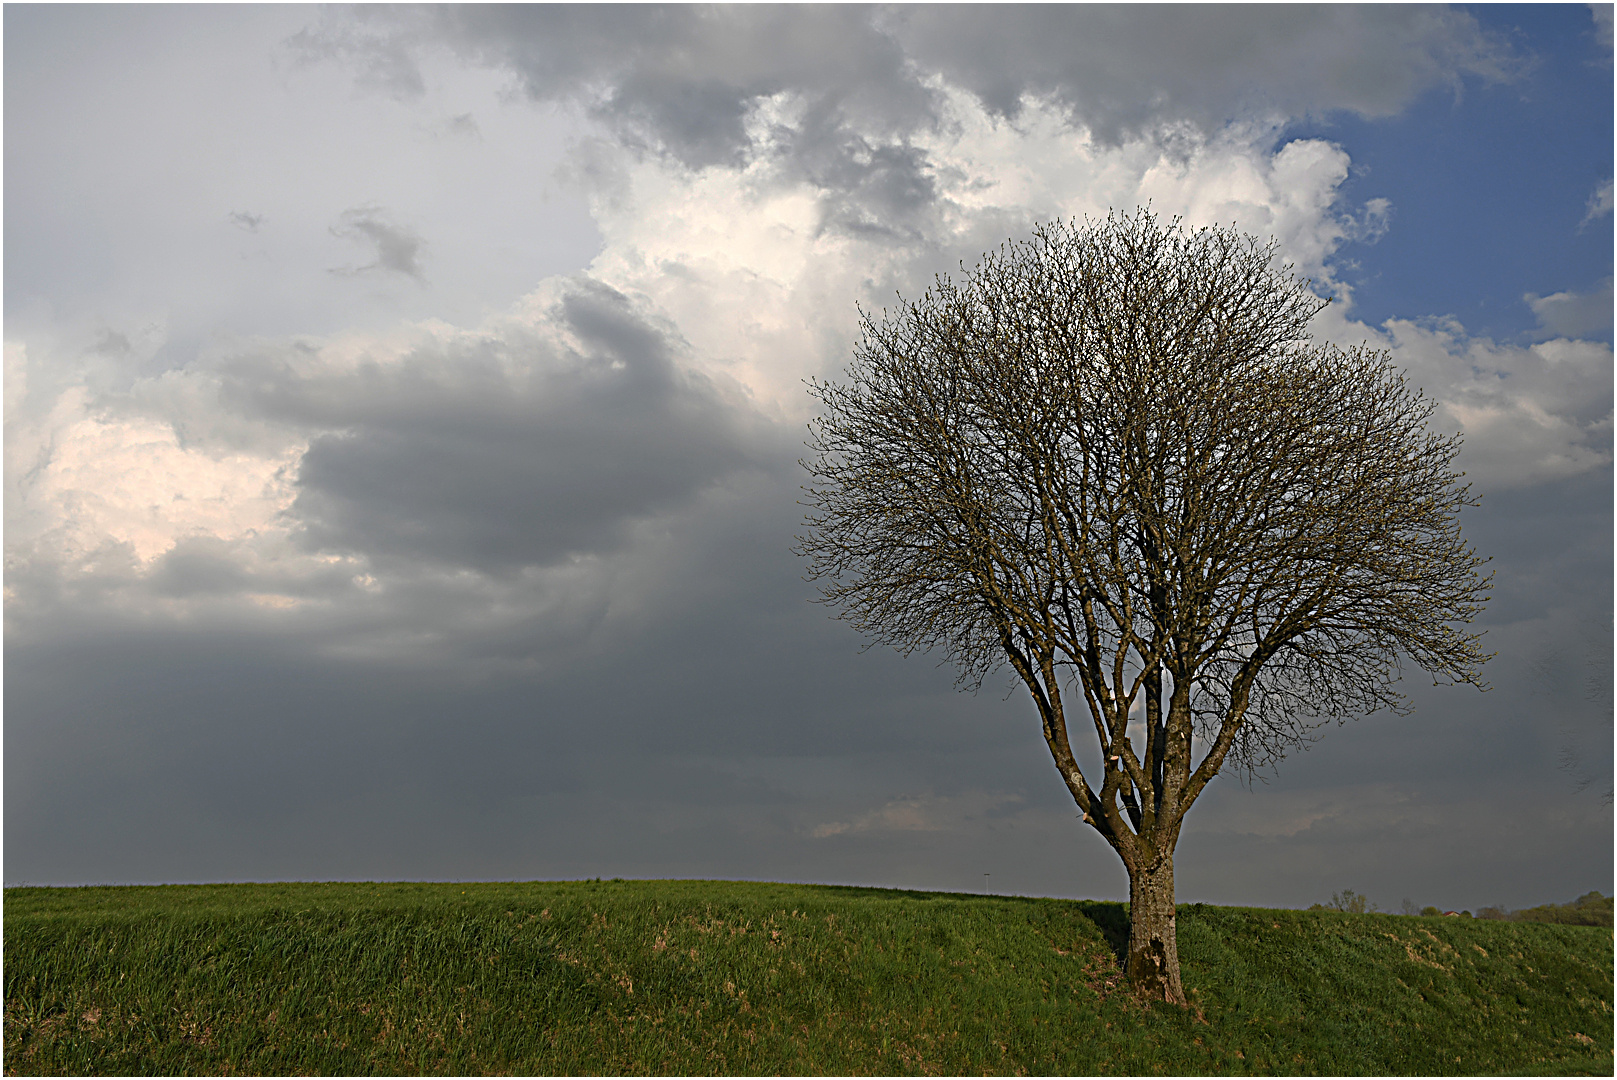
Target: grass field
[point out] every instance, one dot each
(730, 977)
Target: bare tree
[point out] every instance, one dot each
(1113, 458)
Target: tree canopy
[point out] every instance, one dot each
(1112, 458)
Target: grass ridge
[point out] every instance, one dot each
(752, 978)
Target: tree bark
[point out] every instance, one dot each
(1153, 961)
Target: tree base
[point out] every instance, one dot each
(1153, 957)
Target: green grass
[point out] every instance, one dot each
(729, 977)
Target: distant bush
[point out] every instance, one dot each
(1430, 910)
(1590, 909)
(1347, 900)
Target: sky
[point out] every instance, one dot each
(403, 413)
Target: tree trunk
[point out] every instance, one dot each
(1153, 964)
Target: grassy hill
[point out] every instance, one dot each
(730, 977)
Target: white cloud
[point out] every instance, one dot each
(1574, 314)
(130, 481)
(744, 262)
(1601, 13)
(1528, 414)
(1599, 199)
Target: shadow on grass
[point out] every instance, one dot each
(1112, 916)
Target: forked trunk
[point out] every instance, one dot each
(1153, 963)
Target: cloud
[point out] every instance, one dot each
(841, 97)
(1123, 71)
(1601, 14)
(1599, 199)
(687, 76)
(679, 79)
(463, 125)
(1372, 224)
(498, 450)
(397, 248)
(1573, 314)
(244, 220)
(403, 479)
(129, 482)
(1529, 414)
(381, 61)
(748, 263)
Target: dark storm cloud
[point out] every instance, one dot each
(740, 733)
(687, 75)
(851, 86)
(397, 249)
(869, 187)
(205, 568)
(710, 740)
(682, 80)
(516, 448)
(1125, 70)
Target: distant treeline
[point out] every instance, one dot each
(1590, 909)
